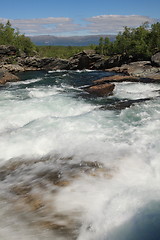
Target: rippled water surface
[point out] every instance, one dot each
(73, 166)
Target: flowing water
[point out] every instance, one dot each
(73, 166)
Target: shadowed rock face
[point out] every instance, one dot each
(101, 90)
(85, 60)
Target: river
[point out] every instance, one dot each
(73, 166)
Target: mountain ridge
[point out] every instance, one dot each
(50, 40)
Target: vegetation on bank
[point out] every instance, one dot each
(11, 36)
(62, 51)
(140, 43)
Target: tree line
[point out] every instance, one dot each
(11, 36)
(140, 43)
(23, 44)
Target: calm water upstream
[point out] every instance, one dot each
(76, 167)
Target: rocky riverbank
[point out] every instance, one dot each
(146, 71)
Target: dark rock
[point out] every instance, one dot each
(34, 62)
(117, 61)
(101, 90)
(56, 64)
(37, 63)
(123, 104)
(79, 61)
(86, 60)
(114, 61)
(83, 61)
(155, 59)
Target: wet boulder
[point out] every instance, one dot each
(7, 77)
(101, 90)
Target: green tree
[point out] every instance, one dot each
(10, 36)
(101, 45)
(140, 43)
(154, 37)
(107, 46)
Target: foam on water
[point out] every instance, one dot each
(120, 203)
(137, 91)
(26, 82)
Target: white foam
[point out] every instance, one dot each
(78, 71)
(26, 82)
(54, 71)
(85, 70)
(136, 90)
(51, 122)
(42, 92)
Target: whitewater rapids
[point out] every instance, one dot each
(70, 169)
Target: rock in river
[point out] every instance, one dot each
(101, 90)
(7, 77)
(156, 59)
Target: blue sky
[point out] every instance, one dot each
(67, 18)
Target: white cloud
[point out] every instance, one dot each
(48, 25)
(103, 24)
(115, 23)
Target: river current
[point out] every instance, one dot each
(73, 166)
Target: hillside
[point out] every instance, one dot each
(43, 40)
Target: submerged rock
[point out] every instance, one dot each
(123, 104)
(33, 188)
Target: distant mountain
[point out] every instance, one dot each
(44, 40)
